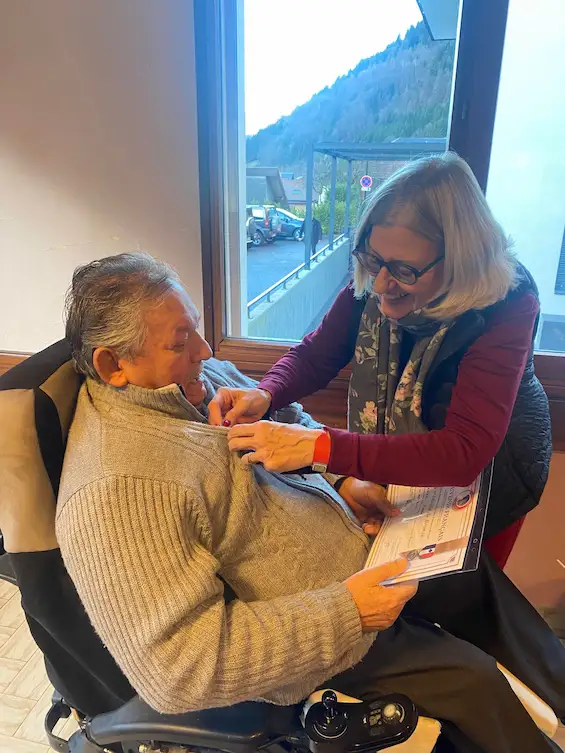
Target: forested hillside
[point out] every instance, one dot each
(402, 91)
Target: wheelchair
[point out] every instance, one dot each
(37, 401)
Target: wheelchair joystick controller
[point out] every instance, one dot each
(332, 722)
(392, 713)
(335, 723)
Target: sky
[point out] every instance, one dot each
(294, 48)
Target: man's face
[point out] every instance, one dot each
(173, 351)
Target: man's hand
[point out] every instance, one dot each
(379, 606)
(368, 502)
(229, 407)
(280, 447)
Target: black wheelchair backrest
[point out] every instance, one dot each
(37, 402)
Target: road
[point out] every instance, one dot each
(269, 263)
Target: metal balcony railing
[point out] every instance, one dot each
(294, 274)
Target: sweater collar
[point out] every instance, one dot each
(169, 400)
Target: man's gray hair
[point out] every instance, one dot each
(106, 303)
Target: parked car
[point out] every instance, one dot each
(267, 224)
(250, 227)
(291, 225)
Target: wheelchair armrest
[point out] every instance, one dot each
(240, 729)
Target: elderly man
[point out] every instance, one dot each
(155, 515)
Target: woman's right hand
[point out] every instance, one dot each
(229, 407)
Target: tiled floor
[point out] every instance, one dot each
(25, 692)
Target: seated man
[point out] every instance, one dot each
(155, 515)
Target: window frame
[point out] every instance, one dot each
(472, 117)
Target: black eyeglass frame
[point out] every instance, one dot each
(360, 253)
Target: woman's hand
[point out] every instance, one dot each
(280, 447)
(368, 502)
(229, 407)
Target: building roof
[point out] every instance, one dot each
(295, 189)
(274, 182)
(441, 17)
(401, 149)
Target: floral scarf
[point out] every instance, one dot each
(381, 401)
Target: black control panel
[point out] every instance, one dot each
(333, 725)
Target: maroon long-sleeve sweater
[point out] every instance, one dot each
(477, 418)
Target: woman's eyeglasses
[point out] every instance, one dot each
(401, 271)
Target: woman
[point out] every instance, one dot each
(439, 323)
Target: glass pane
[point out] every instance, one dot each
(526, 185)
(332, 99)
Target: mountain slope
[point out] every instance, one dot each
(402, 91)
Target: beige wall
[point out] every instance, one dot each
(537, 561)
(98, 148)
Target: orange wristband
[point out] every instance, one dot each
(322, 451)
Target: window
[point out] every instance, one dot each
(551, 334)
(528, 114)
(364, 87)
(235, 174)
(526, 187)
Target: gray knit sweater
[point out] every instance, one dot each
(153, 514)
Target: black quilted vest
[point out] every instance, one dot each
(522, 463)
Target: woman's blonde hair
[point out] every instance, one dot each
(438, 197)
